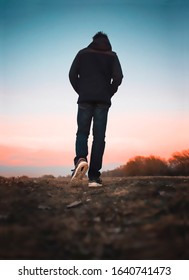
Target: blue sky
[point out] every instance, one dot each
(39, 40)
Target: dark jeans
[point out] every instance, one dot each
(86, 113)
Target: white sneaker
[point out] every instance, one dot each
(80, 170)
(95, 183)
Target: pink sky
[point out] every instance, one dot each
(50, 140)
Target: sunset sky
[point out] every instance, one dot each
(38, 42)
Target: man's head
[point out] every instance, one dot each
(101, 42)
(100, 34)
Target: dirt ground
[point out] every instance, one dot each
(129, 218)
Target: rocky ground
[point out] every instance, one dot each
(129, 218)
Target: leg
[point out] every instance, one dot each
(98, 145)
(84, 118)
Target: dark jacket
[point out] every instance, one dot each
(95, 73)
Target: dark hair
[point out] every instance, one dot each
(100, 34)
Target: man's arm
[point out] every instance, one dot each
(117, 75)
(74, 73)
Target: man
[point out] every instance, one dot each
(95, 75)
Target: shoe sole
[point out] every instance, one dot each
(80, 171)
(94, 185)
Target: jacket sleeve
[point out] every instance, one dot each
(74, 74)
(117, 75)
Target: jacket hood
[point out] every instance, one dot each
(101, 44)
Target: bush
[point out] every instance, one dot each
(179, 163)
(153, 166)
(146, 166)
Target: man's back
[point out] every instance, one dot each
(96, 73)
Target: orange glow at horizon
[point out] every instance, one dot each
(18, 156)
(50, 140)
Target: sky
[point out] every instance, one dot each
(38, 107)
